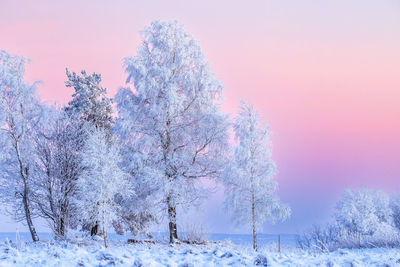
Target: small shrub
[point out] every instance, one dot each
(194, 234)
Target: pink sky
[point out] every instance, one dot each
(325, 74)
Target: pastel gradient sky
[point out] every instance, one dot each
(324, 74)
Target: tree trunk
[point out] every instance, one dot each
(105, 237)
(62, 227)
(31, 227)
(95, 229)
(173, 232)
(24, 172)
(253, 210)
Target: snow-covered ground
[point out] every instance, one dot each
(270, 240)
(92, 253)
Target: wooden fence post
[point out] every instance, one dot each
(279, 243)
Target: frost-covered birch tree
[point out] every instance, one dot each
(20, 110)
(250, 187)
(171, 120)
(101, 182)
(57, 142)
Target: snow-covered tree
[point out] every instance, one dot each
(20, 112)
(364, 212)
(250, 187)
(171, 121)
(91, 109)
(57, 166)
(138, 211)
(101, 183)
(90, 102)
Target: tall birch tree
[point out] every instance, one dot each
(20, 110)
(250, 187)
(171, 119)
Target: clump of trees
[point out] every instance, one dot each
(80, 166)
(362, 218)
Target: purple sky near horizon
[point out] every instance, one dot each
(324, 74)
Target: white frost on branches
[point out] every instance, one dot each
(250, 187)
(90, 102)
(19, 114)
(364, 212)
(101, 182)
(171, 123)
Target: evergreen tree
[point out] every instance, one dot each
(91, 109)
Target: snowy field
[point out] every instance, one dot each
(287, 240)
(83, 252)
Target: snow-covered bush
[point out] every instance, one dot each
(363, 212)
(319, 238)
(363, 218)
(194, 234)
